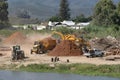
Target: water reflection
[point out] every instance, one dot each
(11, 75)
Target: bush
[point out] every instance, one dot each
(65, 30)
(101, 31)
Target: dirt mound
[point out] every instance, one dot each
(66, 48)
(15, 38)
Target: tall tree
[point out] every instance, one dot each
(82, 18)
(118, 8)
(55, 19)
(3, 11)
(118, 14)
(104, 13)
(64, 11)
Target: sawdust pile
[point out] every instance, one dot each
(66, 48)
(15, 38)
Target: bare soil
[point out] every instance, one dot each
(5, 59)
(66, 48)
(6, 51)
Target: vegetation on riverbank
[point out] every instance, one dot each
(83, 69)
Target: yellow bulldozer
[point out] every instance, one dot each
(43, 46)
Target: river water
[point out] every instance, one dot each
(12, 75)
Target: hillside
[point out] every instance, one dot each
(46, 8)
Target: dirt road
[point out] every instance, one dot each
(5, 59)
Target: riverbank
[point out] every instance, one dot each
(76, 65)
(82, 69)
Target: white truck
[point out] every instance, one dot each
(93, 53)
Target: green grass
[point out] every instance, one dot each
(83, 69)
(6, 32)
(101, 31)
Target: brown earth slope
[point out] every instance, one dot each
(66, 48)
(15, 38)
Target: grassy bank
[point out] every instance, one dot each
(83, 69)
(102, 31)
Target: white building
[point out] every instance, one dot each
(50, 23)
(83, 24)
(69, 23)
(20, 26)
(41, 27)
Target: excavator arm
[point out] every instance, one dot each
(65, 37)
(60, 34)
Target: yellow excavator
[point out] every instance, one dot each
(82, 44)
(79, 41)
(65, 37)
(42, 46)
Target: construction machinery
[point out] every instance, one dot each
(43, 46)
(65, 37)
(83, 45)
(46, 44)
(17, 53)
(93, 53)
(79, 41)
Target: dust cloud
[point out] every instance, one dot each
(25, 41)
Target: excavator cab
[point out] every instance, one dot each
(38, 48)
(36, 42)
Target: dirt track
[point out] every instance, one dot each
(43, 59)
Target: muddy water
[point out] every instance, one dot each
(11, 75)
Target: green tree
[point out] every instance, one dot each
(82, 18)
(55, 19)
(3, 11)
(104, 13)
(118, 8)
(118, 14)
(64, 11)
